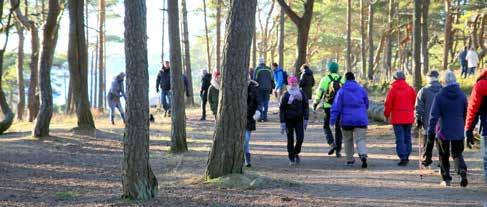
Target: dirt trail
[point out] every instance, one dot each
(72, 170)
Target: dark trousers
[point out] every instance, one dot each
(333, 141)
(455, 148)
(428, 145)
(264, 104)
(294, 127)
(204, 99)
(464, 71)
(403, 140)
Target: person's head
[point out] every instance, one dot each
(293, 81)
(472, 49)
(433, 75)
(261, 60)
(204, 71)
(274, 66)
(349, 76)
(251, 69)
(166, 64)
(121, 76)
(304, 67)
(465, 48)
(399, 75)
(449, 77)
(216, 75)
(333, 67)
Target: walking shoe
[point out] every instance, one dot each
(332, 150)
(464, 181)
(403, 163)
(338, 154)
(427, 162)
(297, 160)
(445, 183)
(248, 165)
(350, 163)
(203, 119)
(364, 162)
(113, 122)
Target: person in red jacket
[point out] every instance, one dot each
(399, 110)
(477, 109)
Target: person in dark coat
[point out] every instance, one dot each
(462, 58)
(293, 116)
(214, 91)
(252, 104)
(116, 92)
(205, 84)
(424, 101)
(265, 77)
(307, 81)
(163, 82)
(448, 116)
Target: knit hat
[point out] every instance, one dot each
(349, 76)
(449, 77)
(292, 80)
(399, 75)
(333, 67)
(434, 74)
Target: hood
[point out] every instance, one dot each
(483, 75)
(435, 86)
(452, 91)
(400, 84)
(308, 71)
(351, 85)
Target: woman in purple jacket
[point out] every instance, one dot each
(351, 104)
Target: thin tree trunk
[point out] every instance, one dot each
(208, 51)
(448, 28)
(138, 180)
(20, 72)
(418, 5)
(95, 69)
(178, 125)
(370, 31)
(388, 49)
(78, 64)
(226, 155)
(101, 55)
(425, 36)
(362, 39)
(282, 19)
(92, 74)
(187, 57)
(164, 29)
(254, 48)
(50, 33)
(218, 34)
(349, 36)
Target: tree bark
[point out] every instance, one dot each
(303, 25)
(208, 51)
(280, 50)
(425, 36)
(448, 28)
(362, 39)
(78, 64)
(101, 56)
(187, 56)
(138, 180)
(254, 47)
(178, 125)
(349, 36)
(370, 31)
(50, 33)
(226, 155)
(20, 72)
(418, 5)
(218, 34)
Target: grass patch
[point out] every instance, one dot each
(66, 196)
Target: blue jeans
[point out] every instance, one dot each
(484, 153)
(247, 141)
(464, 71)
(264, 104)
(166, 100)
(403, 140)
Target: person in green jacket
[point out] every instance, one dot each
(213, 92)
(327, 89)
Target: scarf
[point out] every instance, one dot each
(294, 94)
(215, 83)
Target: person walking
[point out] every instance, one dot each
(399, 111)
(116, 92)
(448, 115)
(163, 82)
(214, 91)
(327, 89)
(264, 76)
(424, 101)
(205, 85)
(477, 109)
(280, 81)
(293, 116)
(307, 81)
(462, 58)
(351, 104)
(473, 60)
(252, 104)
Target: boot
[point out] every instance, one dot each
(363, 158)
(247, 160)
(464, 181)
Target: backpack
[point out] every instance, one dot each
(333, 88)
(285, 76)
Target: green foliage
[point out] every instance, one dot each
(66, 196)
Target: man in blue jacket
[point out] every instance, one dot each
(447, 123)
(279, 81)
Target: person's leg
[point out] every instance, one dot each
(464, 71)
(457, 148)
(348, 144)
(299, 139)
(122, 112)
(112, 113)
(359, 136)
(407, 140)
(400, 148)
(326, 127)
(164, 100)
(444, 156)
(169, 99)
(484, 155)
(247, 146)
(338, 138)
(267, 95)
(472, 70)
(261, 104)
(290, 140)
(428, 150)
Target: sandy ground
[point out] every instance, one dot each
(73, 170)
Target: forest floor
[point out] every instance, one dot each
(75, 170)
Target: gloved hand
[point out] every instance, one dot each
(305, 124)
(315, 105)
(283, 128)
(469, 135)
(419, 123)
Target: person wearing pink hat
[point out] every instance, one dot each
(293, 116)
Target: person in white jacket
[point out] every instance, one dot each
(473, 61)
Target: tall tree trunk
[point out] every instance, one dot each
(448, 29)
(425, 36)
(95, 69)
(280, 50)
(101, 55)
(178, 125)
(388, 49)
(303, 25)
(362, 39)
(187, 56)
(20, 72)
(78, 64)
(418, 5)
(349, 36)
(50, 33)
(138, 180)
(218, 33)
(254, 48)
(226, 155)
(370, 31)
(208, 51)
(164, 29)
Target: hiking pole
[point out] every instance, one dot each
(420, 151)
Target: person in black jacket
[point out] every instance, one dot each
(205, 84)
(307, 81)
(163, 83)
(293, 115)
(252, 104)
(265, 77)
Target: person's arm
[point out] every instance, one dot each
(420, 106)
(474, 107)
(122, 90)
(279, 80)
(320, 90)
(388, 103)
(434, 116)
(336, 108)
(158, 82)
(282, 108)
(306, 106)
